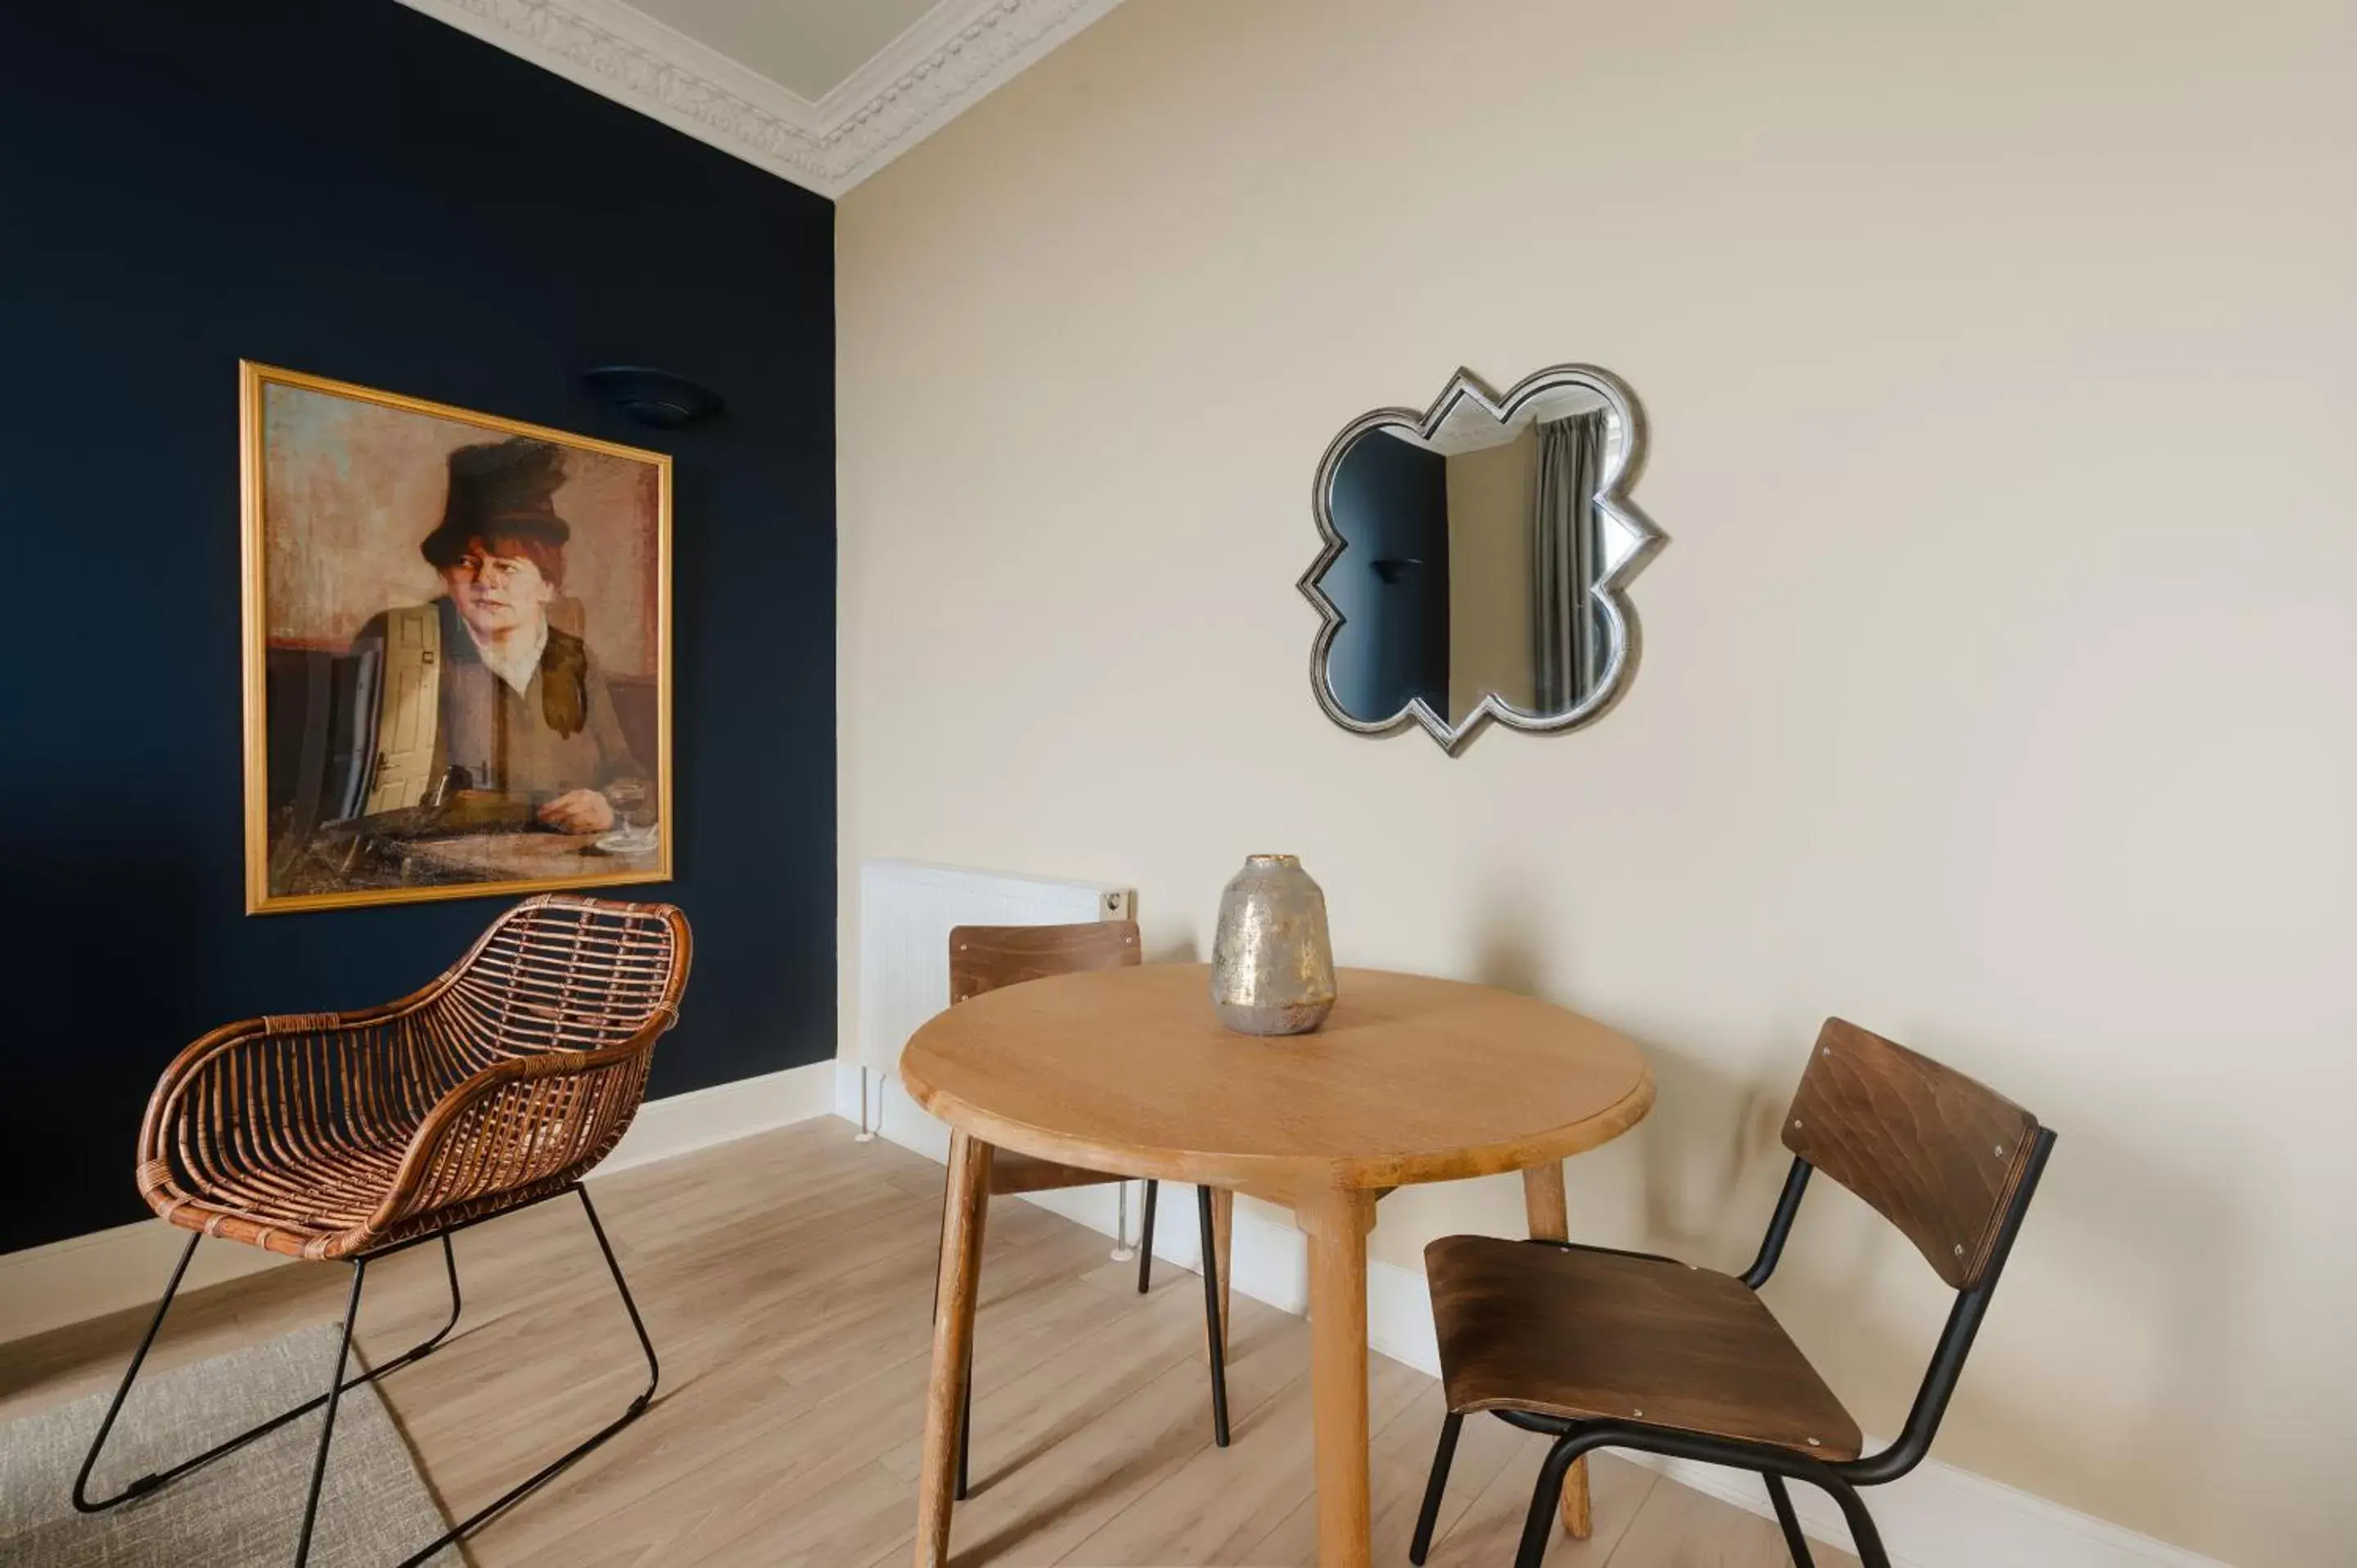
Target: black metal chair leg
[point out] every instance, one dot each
(1538, 1526)
(148, 1483)
(332, 1397)
(450, 1266)
(1146, 1238)
(1794, 1541)
(1429, 1515)
(1211, 1319)
(966, 1435)
(1862, 1533)
(328, 1427)
(549, 1471)
(623, 1287)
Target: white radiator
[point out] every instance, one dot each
(906, 910)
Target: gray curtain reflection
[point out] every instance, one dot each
(1564, 560)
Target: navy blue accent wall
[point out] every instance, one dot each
(357, 190)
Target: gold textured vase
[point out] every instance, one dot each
(1271, 961)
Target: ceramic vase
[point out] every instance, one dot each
(1271, 961)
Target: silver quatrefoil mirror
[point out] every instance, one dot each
(1477, 558)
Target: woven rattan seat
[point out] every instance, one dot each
(329, 1134)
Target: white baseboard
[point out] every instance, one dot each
(83, 1277)
(1938, 1517)
(682, 1123)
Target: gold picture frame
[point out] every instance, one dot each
(479, 742)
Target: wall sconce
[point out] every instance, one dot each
(654, 397)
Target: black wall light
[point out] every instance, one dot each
(655, 397)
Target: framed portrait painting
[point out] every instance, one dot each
(458, 651)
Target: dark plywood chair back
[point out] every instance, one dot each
(985, 958)
(1936, 1153)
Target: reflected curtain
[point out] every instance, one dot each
(1564, 560)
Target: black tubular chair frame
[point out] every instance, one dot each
(984, 959)
(1777, 1465)
(1220, 1433)
(338, 1384)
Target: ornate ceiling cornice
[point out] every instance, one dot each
(946, 62)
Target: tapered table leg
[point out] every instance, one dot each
(962, 1223)
(1337, 1223)
(1550, 1219)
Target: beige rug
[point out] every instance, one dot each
(244, 1509)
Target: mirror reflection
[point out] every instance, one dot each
(1472, 556)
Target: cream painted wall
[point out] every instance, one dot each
(1489, 500)
(1997, 689)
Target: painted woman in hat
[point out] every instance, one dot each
(519, 708)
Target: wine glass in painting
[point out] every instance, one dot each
(633, 802)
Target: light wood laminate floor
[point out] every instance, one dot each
(787, 1281)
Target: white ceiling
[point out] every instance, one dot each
(1470, 427)
(822, 93)
(807, 46)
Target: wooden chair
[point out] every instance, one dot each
(348, 1136)
(985, 958)
(1606, 1349)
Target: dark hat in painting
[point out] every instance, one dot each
(500, 489)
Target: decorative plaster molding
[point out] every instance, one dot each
(949, 60)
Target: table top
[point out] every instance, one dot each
(524, 856)
(1411, 1080)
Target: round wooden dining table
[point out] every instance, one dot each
(1126, 1070)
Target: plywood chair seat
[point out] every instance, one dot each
(1582, 1334)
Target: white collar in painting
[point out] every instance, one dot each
(515, 662)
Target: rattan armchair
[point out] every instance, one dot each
(345, 1137)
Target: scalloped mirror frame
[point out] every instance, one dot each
(1624, 456)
